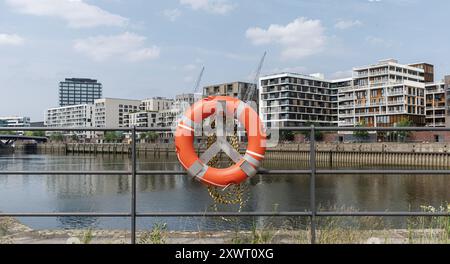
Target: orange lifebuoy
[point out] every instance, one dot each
(245, 166)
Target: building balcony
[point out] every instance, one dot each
(395, 93)
(378, 84)
(361, 86)
(345, 89)
(396, 102)
(382, 72)
(346, 98)
(346, 123)
(397, 112)
(362, 74)
(346, 115)
(435, 91)
(348, 106)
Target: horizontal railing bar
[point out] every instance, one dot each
(67, 129)
(260, 172)
(363, 129)
(271, 172)
(65, 172)
(387, 171)
(381, 129)
(355, 151)
(65, 214)
(223, 214)
(229, 214)
(168, 129)
(396, 214)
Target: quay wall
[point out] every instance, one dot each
(327, 154)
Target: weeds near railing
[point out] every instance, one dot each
(351, 230)
(424, 230)
(5, 230)
(87, 237)
(157, 235)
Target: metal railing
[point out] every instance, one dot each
(313, 213)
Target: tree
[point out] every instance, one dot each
(150, 136)
(35, 134)
(7, 133)
(307, 133)
(113, 137)
(287, 136)
(57, 137)
(402, 135)
(74, 137)
(361, 135)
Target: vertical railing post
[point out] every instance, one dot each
(312, 189)
(133, 186)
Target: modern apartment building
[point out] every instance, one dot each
(436, 104)
(188, 98)
(110, 112)
(141, 119)
(169, 117)
(71, 117)
(294, 100)
(447, 88)
(156, 104)
(383, 94)
(428, 70)
(76, 91)
(233, 89)
(14, 121)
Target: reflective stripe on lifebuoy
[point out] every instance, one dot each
(245, 166)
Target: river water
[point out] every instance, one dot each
(180, 193)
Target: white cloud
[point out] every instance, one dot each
(376, 41)
(301, 38)
(127, 46)
(11, 40)
(346, 24)
(211, 6)
(172, 14)
(76, 13)
(374, 1)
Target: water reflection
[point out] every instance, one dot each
(180, 193)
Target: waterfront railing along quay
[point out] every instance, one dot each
(313, 171)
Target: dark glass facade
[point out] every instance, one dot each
(77, 91)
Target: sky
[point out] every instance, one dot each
(140, 48)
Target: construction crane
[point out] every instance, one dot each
(199, 79)
(254, 87)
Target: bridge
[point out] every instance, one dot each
(7, 140)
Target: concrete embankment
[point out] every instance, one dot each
(328, 154)
(14, 232)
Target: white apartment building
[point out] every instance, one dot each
(110, 112)
(71, 117)
(383, 94)
(141, 119)
(156, 104)
(169, 117)
(436, 104)
(447, 88)
(295, 100)
(14, 121)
